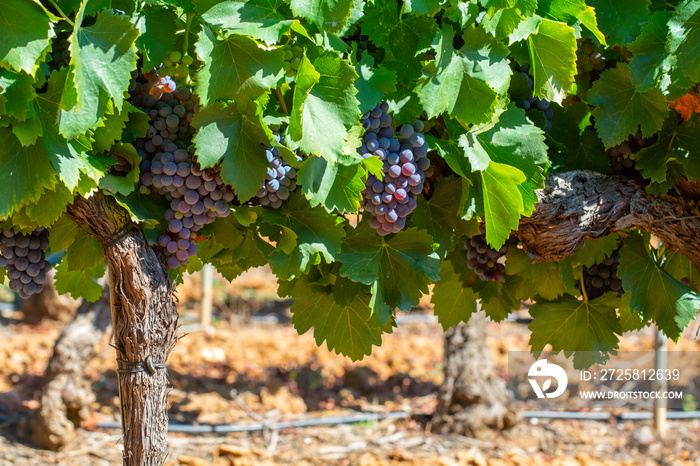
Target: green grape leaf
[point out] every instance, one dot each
(123, 185)
(373, 82)
(453, 302)
(496, 299)
(570, 325)
(236, 67)
(539, 278)
(571, 12)
(655, 294)
(595, 251)
(110, 129)
(402, 36)
(439, 215)
(621, 108)
(684, 38)
(334, 186)
(576, 149)
(403, 266)
(343, 326)
(680, 268)
(465, 83)
(25, 35)
(79, 283)
(553, 57)
(327, 15)
(313, 232)
(236, 137)
(143, 208)
(29, 173)
(675, 143)
(70, 159)
(85, 253)
(50, 206)
(102, 58)
(260, 19)
(621, 21)
(324, 106)
(62, 234)
(158, 26)
(650, 59)
(18, 90)
(502, 200)
(28, 130)
(501, 21)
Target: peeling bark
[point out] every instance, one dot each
(472, 400)
(578, 205)
(67, 393)
(144, 322)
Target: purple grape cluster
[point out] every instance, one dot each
(602, 277)
(280, 180)
(24, 259)
(531, 102)
(406, 165)
(483, 259)
(197, 197)
(622, 156)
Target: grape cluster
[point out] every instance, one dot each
(176, 66)
(197, 197)
(622, 155)
(292, 60)
(24, 259)
(602, 278)
(280, 180)
(486, 262)
(590, 62)
(532, 103)
(406, 165)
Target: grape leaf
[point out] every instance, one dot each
(589, 328)
(84, 253)
(453, 302)
(502, 201)
(327, 15)
(236, 137)
(621, 21)
(102, 58)
(158, 26)
(343, 326)
(403, 266)
(236, 67)
(675, 143)
(29, 129)
(71, 159)
(539, 278)
(334, 186)
(502, 21)
(553, 58)
(143, 208)
(324, 106)
(655, 294)
(571, 12)
(312, 233)
(496, 299)
(621, 108)
(25, 35)
(62, 234)
(50, 206)
(684, 38)
(79, 283)
(372, 82)
(18, 90)
(260, 19)
(595, 250)
(650, 59)
(402, 36)
(465, 84)
(110, 128)
(123, 185)
(29, 169)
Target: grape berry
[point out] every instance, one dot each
(602, 278)
(406, 165)
(280, 180)
(24, 259)
(622, 155)
(485, 261)
(531, 103)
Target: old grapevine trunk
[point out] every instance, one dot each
(67, 393)
(144, 322)
(472, 399)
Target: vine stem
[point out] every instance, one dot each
(281, 99)
(60, 12)
(583, 288)
(186, 43)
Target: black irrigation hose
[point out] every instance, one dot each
(603, 416)
(232, 428)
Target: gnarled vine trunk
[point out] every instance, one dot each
(144, 322)
(472, 399)
(67, 393)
